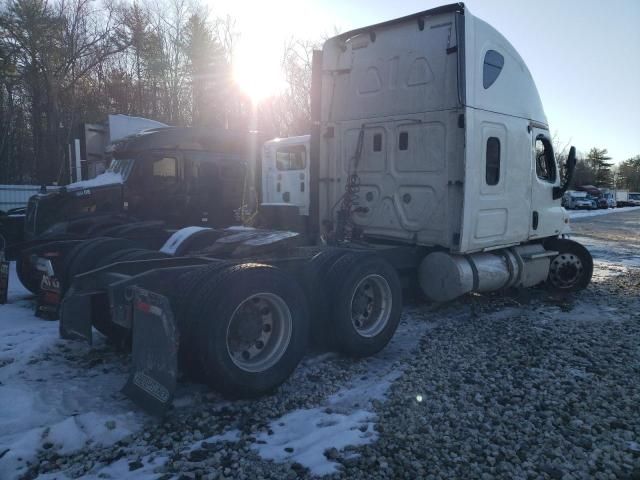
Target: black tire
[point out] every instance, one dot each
(141, 227)
(313, 279)
(104, 224)
(143, 254)
(215, 320)
(349, 280)
(182, 304)
(114, 230)
(572, 268)
(63, 275)
(93, 251)
(115, 256)
(101, 320)
(28, 276)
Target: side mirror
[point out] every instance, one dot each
(570, 165)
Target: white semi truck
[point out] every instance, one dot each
(430, 161)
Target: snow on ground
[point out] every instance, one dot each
(61, 396)
(346, 419)
(597, 213)
(53, 394)
(624, 255)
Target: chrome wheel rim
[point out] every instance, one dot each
(371, 305)
(259, 332)
(565, 270)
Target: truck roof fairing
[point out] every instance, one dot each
(514, 93)
(184, 138)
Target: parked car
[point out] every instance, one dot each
(578, 200)
(602, 202)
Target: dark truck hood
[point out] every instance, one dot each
(102, 194)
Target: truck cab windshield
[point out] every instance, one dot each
(121, 166)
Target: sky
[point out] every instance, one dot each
(584, 55)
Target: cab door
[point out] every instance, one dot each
(160, 190)
(547, 214)
(287, 177)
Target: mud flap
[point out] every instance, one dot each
(155, 342)
(48, 304)
(75, 317)
(4, 280)
(4, 274)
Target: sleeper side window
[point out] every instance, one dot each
(545, 161)
(377, 142)
(403, 141)
(492, 171)
(493, 63)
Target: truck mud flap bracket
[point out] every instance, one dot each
(152, 381)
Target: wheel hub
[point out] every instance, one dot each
(259, 332)
(371, 305)
(565, 270)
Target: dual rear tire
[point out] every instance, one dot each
(250, 326)
(245, 327)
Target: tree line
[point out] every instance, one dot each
(63, 62)
(596, 168)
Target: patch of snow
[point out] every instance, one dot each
(609, 254)
(574, 214)
(346, 418)
(16, 290)
(232, 436)
(307, 433)
(106, 178)
(45, 396)
(228, 436)
(121, 470)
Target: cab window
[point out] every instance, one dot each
(545, 161)
(165, 171)
(293, 157)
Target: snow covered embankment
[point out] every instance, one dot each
(54, 395)
(575, 214)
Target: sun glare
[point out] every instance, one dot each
(257, 71)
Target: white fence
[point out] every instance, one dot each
(15, 196)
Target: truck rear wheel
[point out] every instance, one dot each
(252, 329)
(87, 255)
(572, 268)
(366, 303)
(314, 282)
(28, 276)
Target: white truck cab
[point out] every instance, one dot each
(430, 132)
(285, 172)
(438, 120)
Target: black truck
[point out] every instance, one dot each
(157, 180)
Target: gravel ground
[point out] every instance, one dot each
(528, 385)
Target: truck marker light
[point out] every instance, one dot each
(143, 307)
(148, 308)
